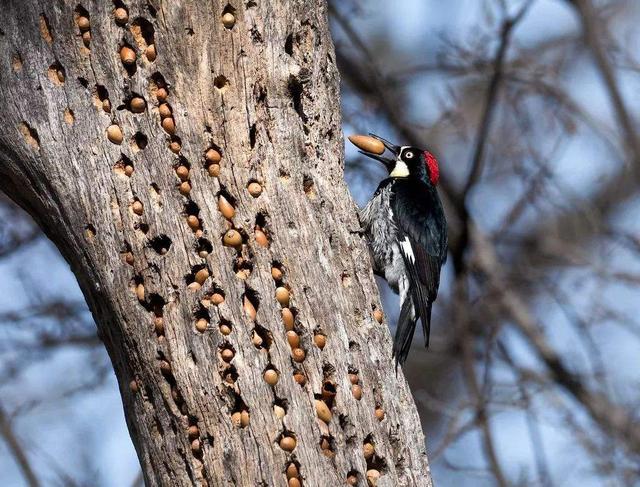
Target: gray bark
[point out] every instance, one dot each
(263, 93)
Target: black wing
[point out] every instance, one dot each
(423, 242)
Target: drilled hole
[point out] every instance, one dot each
(161, 244)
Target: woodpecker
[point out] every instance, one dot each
(406, 229)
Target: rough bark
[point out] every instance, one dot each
(263, 93)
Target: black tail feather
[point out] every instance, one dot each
(426, 323)
(404, 332)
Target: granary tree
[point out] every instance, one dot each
(186, 158)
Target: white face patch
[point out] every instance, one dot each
(400, 170)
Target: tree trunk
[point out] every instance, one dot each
(141, 224)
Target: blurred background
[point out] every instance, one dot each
(533, 375)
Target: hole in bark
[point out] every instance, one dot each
(82, 18)
(353, 477)
(327, 445)
(309, 187)
(252, 135)
(229, 374)
(57, 74)
(30, 135)
(221, 83)
(69, 117)
(203, 247)
(101, 98)
(155, 303)
(45, 29)
(124, 166)
(240, 411)
(295, 91)
(280, 407)
(251, 303)
(328, 392)
(152, 10)
(89, 231)
(261, 337)
(139, 141)
(161, 244)
(143, 32)
(141, 227)
(288, 45)
(16, 63)
(354, 346)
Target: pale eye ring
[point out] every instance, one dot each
(409, 155)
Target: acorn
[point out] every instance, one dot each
(127, 56)
(194, 286)
(201, 276)
(294, 482)
(282, 296)
(244, 419)
(279, 411)
(193, 432)
(255, 189)
(288, 443)
(323, 411)
(214, 170)
(158, 325)
(83, 22)
(225, 329)
(261, 237)
(379, 413)
(320, 340)
(328, 391)
(185, 188)
(298, 355)
(236, 418)
(140, 292)
(368, 450)
(174, 146)
(128, 258)
(228, 20)
(196, 447)
(293, 339)
(121, 15)
(299, 377)
(232, 238)
(164, 110)
(249, 308)
(150, 52)
(367, 143)
(256, 339)
(128, 170)
(276, 273)
(270, 377)
(288, 319)
(217, 299)
(226, 208)
(169, 125)
(133, 386)
(137, 104)
(86, 39)
(165, 367)
(378, 315)
(292, 471)
(106, 105)
(162, 94)
(201, 325)
(372, 477)
(114, 134)
(193, 222)
(137, 207)
(227, 354)
(212, 156)
(353, 378)
(356, 390)
(352, 479)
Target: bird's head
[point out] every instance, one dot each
(405, 162)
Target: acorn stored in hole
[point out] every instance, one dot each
(133, 386)
(353, 378)
(214, 170)
(294, 482)
(169, 125)
(121, 15)
(114, 134)
(140, 292)
(185, 188)
(83, 22)
(158, 325)
(256, 339)
(161, 94)
(150, 52)
(228, 20)
(193, 432)
(232, 238)
(236, 418)
(174, 146)
(217, 298)
(379, 413)
(244, 419)
(86, 39)
(201, 325)
(378, 315)
(137, 207)
(255, 189)
(288, 443)
(356, 390)
(261, 237)
(276, 273)
(367, 143)
(165, 367)
(352, 479)
(299, 377)
(127, 56)
(368, 450)
(225, 329)
(106, 105)
(271, 377)
(279, 411)
(249, 308)
(323, 411)
(226, 208)
(212, 156)
(298, 355)
(164, 110)
(282, 296)
(372, 477)
(196, 447)
(182, 172)
(293, 339)
(292, 471)
(193, 222)
(320, 340)
(227, 354)
(137, 104)
(288, 319)
(201, 276)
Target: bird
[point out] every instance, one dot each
(406, 230)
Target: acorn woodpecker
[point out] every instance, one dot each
(406, 229)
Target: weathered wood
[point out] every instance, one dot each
(261, 88)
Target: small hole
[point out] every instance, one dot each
(288, 45)
(161, 244)
(221, 83)
(139, 141)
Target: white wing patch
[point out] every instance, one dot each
(405, 244)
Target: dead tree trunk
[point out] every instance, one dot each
(235, 296)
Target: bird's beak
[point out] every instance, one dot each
(387, 161)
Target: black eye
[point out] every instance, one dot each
(408, 155)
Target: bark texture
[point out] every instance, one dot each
(141, 226)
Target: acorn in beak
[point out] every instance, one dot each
(374, 146)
